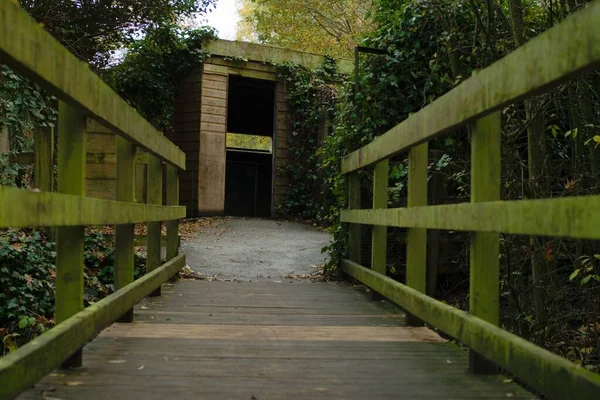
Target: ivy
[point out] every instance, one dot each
(149, 74)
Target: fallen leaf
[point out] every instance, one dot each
(140, 368)
(117, 361)
(74, 383)
(449, 361)
(507, 380)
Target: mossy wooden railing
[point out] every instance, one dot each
(570, 48)
(30, 50)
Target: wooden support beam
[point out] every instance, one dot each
(172, 200)
(484, 296)
(154, 196)
(43, 144)
(416, 240)
(354, 245)
(380, 201)
(124, 251)
(69, 240)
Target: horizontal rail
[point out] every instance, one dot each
(575, 217)
(32, 51)
(552, 375)
(23, 368)
(556, 55)
(91, 158)
(23, 208)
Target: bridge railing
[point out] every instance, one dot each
(34, 53)
(568, 49)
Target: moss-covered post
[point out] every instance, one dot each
(354, 246)
(124, 251)
(69, 240)
(380, 201)
(485, 246)
(416, 240)
(154, 196)
(172, 200)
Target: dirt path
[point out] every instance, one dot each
(255, 249)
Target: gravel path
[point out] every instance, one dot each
(255, 249)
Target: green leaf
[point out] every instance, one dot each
(574, 274)
(586, 279)
(23, 322)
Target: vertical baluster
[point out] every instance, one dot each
(69, 239)
(154, 196)
(380, 201)
(485, 247)
(354, 246)
(124, 251)
(416, 240)
(43, 142)
(172, 200)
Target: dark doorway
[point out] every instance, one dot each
(250, 127)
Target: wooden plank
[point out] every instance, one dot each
(22, 368)
(484, 293)
(43, 140)
(69, 240)
(354, 245)
(416, 238)
(554, 376)
(380, 201)
(29, 49)
(283, 354)
(556, 55)
(172, 225)
(155, 195)
(124, 251)
(575, 217)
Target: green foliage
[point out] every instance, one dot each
(23, 107)
(149, 75)
(312, 96)
(92, 30)
(27, 281)
(252, 142)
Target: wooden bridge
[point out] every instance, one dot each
(260, 341)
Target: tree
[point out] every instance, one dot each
(333, 27)
(91, 29)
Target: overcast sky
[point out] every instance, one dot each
(224, 19)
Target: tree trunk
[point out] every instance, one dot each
(536, 143)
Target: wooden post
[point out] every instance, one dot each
(485, 247)
(416, 239)
(124, 251)
(172, 200)
(43, 143)
(69, 240)
(154, 196)
(380, 200)
(354, 246)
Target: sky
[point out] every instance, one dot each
(224, 18)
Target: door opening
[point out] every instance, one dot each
(250, 147)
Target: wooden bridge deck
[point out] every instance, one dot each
(257, 341)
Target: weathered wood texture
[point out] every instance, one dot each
(211, 170)
(484, 295)
(271, 54)
(186, 134)
(29, 49)
(554, 376)
(20, 369)
(227, 340)
(552, 57)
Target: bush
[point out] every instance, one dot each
(27, 281)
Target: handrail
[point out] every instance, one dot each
(34, 53)
(553, 57)
(568, 49)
